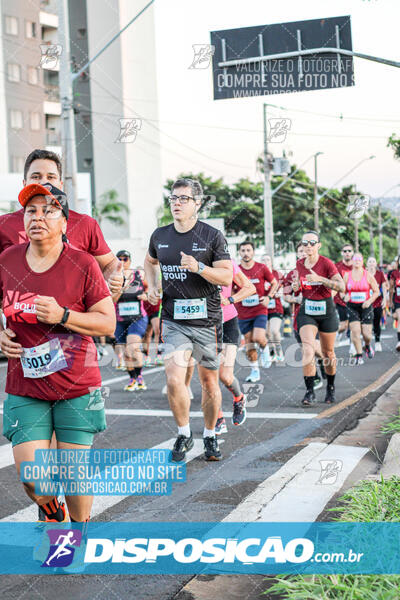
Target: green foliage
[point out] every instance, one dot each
(394, 143)
(110, 209)
(241, 205)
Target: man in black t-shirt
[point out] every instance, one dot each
(194, 260)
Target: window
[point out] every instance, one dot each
(30, 29)
(81, 33)
(11, 25)
(13, 72)
(17, 164)
(33, 77)
(16, 119)
(35, 121)
(87, 163)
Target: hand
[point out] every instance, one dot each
(295, 282)
(224, 301)
(9, 348)
(153, 295)
(142, 296)
(48, 310)
(313, 277)
(264, 300)
(346, 298)
(116, 279)
(189, 262)
(366, 304)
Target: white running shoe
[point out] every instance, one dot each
(398, 346)
(189, 392)
(265, 358)
(352, 350)
(254, 376)
(378, 347)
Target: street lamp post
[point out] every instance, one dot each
(268, 218)
(316, 201)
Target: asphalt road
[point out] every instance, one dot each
(277, 426)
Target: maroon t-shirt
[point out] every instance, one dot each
(380, 279)
(395, 275)
(288, 291)
(275, 305)
(314, 291)
(259, 275)
(76, 281)
(342, 268)
(83, 232)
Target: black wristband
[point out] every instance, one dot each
(65, 316)
(231, 300)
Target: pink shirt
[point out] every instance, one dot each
(229, 311)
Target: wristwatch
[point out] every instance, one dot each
(201, 268)
(231, 300)
(65, 316)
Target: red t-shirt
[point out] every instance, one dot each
(314, 291)
(380, 279)
(288, 291)
(342, 268)
(83, 232)
(275, 305)
(395, 275)
(250, 307)
(76, 281)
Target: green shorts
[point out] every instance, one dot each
(75, 421)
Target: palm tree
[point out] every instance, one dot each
(110, 209)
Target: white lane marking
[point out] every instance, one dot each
(102, 503)
(123, 377)
(137, 412)
(293, 492)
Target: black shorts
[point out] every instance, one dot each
(358, 313)
(297, 336)
(343, 312)
(153, 316)
(396, 305)
(327, 323)
(277, 315)
(231, 332)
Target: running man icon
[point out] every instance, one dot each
(61, 553)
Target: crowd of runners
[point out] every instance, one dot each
(191, 306)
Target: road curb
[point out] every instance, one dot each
(391, 463)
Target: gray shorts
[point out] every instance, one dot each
(205, 343)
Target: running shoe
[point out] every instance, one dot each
(254, 376)
(369, 352)
(239, 412)
(147, 361)
(265, 358)
(359, 360)
(330, 394)
(43, 518)
(378, 347)
(121, 367)
(130, 387)
(220, 426)
(159, 360)
(317, 383)
(309, 398)
(189, 389)
(211, 450)
(164, 390)
(140, 384)
(280, 357)
(352, 349)
(273, 356)
(398, 346)
(182, 445)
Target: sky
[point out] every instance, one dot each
(223, 138)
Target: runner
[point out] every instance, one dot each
(317, 277)
(194, 261)
(394, 298)
(131, 323)
(53, 379)
(359, 285)
(275, 313)
(153, 328)
(344, 266)
(253, 311)
(381, 302)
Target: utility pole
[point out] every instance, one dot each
(268, 218)
(380, 232)
(398, 236)
(66, 94)
(356, 222)
(316, 201)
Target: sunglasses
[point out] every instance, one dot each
(306, 243)
(343, 251)
(124, 258)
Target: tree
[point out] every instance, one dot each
(110, 209)
(394, 143)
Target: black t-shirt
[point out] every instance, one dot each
(129, 308)
(207, 245)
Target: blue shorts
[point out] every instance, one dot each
(125, 328)
(246, 325)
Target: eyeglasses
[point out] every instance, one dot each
(182, 199)
(124, 258)
(306, 243)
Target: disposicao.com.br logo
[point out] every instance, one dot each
(62, 547)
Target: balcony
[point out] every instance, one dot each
(52, 108)
(52, 93)
(47, 19)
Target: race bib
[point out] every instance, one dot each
(358, 297)
(43, 360)
(129, 309)
(315, 307)
(272, 303)
(397, 291)
(251, 301)
(194, 308)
